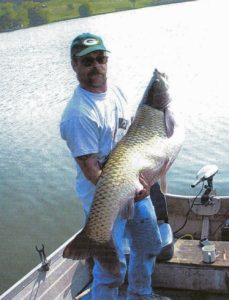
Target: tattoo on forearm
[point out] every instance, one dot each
(88, 160)
(89, 166)
(85, 157)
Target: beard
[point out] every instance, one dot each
(94, 78)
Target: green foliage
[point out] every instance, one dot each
(8, 17)
(70, 6)
(21, 14)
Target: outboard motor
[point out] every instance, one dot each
(208, 204)
(206, 173)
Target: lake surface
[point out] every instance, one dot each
(37, 202)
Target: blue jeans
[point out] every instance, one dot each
(145, 244)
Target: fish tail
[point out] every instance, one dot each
(82, 247)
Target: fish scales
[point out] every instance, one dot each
(122, 171)
(146, 149)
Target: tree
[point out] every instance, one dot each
(84, 10)
(70, 6)
(37, 16)
(133, 2)
(8, 18)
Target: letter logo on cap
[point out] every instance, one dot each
(90, 42)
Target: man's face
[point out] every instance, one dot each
(91, 70)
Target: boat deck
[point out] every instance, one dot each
(191, 272)
(173, 294)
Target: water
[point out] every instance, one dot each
(37, 200)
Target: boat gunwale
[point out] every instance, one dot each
(186, 197)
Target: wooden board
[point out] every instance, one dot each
(189, 252)
(186, 270)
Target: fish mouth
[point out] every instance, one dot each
(157, 94)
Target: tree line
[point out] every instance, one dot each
(21, 14)
(16, 14)
(26, 13)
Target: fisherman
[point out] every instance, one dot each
(95, 119)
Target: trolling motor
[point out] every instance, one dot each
(206, 173)
(208, 204)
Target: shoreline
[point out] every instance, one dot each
(157, 3)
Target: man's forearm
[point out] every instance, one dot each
(90, 167)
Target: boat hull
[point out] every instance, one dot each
(66, 278)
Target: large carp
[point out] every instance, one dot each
(148, 149)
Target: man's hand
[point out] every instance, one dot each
(145, 191)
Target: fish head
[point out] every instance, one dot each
(157, 93)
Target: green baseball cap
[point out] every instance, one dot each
(86, 43)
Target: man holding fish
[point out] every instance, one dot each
(113, 176)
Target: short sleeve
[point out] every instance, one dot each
(81, 134)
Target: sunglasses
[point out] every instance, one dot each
(89, 61)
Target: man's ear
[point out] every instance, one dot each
(74, 65)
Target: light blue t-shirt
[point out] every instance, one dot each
(93, 123)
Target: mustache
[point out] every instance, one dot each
(95, 72)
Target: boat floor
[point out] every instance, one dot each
(180, 295)
(172, 294)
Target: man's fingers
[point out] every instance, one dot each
(143, 181)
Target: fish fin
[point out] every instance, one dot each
(163, 184)
(82, 247)
(108, 257)
(79, 248)
(164, 170)
(169, 122)
(148, 176)
(127, 211)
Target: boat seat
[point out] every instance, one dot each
(160, 205)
